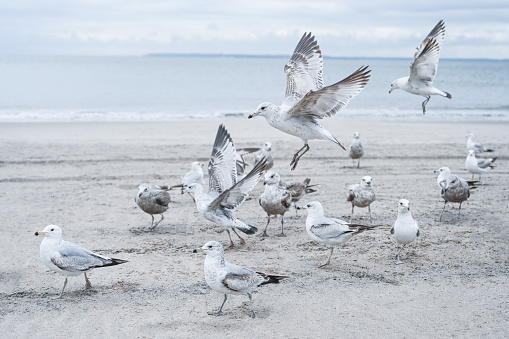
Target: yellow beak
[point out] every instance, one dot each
(390, 91)
(40, 233)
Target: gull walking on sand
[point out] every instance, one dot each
(306, 100)
(153, 199)
(194, 176)
(70, 259)
(473, 145)
(472, 165)
(424, 68)
(227, 278)
(356, 151)
(362, 195)
(265, 152)
(405, 230)
(275, 200)
(225, 193)
(329, 231)
(455, 189)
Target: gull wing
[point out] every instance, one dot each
(161, 197)
(222, 164)
(303, 70)
(331, 99)
(327, 230)
(74, 258)
(425, 64)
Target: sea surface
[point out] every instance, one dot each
(165, 88)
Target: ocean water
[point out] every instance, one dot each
(46, 89)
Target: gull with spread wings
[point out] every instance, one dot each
(306, 100)
(225, 193)
(424, 68)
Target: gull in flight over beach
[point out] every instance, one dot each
(225, 194)
(70, 259)
(306, 100)
(153, 199)
(227, 278)
(405, 230)
(424, 68)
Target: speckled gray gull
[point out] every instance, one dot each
(356, 151)
(456, 190)
(472, 165)
(265, 152)
(329, 231)
(227, 278)
(423, 68)
(275, 200)
(475, 146)
(306, 100)
(241, 162)
(405, 230)
(153, 199)
(298, 190)
(194, 176)
(225, 194)
(362, 195)
(70, 259)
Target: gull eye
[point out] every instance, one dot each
(52, 229)
(308, 205)
(210, 246)
(263, 108)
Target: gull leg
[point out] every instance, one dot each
(253, 314)
(328, 260)
(353, 162)
(397, 255)
(157, 223)
(472, 176)
(229, 236)
(264, 233)
(296, 214)
(87, 282)
(351, 215)
(370, 219)
(220, 308)
(297, 156)
(459, 213)
(424, 104)
(63, 288)
(242, 241)
(282, 225)
(445, 203)
(359, 163)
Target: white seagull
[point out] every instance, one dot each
(473, 145)
(227, 278)
(306, 100)
(424, 68)
(194, 176)
(472, 165)
(70, 259)
(265, 152)
(405, 230)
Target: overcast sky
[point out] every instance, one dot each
(375, 28)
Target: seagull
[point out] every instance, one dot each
(70, 259)
(153, 199)
(306, 100)
(455, 189)
(362, 195)
(424, 68)
(265, 152)
(472, 145)
(329, 231)
(241, 163)
(298, 190)
(472, 165)
(194, 176)
(444, 172)
(356, 150)
(225, 193)
(275, 200)
(405, 230)
(227, 278)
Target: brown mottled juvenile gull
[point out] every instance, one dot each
(69, 259)
(306, 100)
(227, 278)
(298, 190)
(356, 151)
(153, 199)
(275, 200)
(455, 189)
(424, 68)
(362, 195)
(405, 230)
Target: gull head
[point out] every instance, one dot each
(271, 178)
(211, 248)
(313, 208)
(142, 189)
(403, 205)
(196, 166)
(366, 181)
(264, 109)
(398, 83)
(193, 188)
(51, 231)
(356, 135)
(471, 154)
(267, 146)
(443, 170)
(471, 136)
(451, 180)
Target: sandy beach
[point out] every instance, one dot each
(84, 176)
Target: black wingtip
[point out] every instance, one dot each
(251, 230)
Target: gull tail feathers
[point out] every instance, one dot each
(243, 227)
(271, 279)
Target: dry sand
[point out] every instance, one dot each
(83, 177)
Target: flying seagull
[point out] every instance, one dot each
(306, 100)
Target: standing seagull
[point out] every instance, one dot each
(194, 176)
(455, 189)
(275, 200)
(152, 199)
(473, 145)
(472, 165)
(265, 152)
(329, 231)
(405, 229)
(225, 193)
(70, 259)
(424, 68)
(444, 172)
(362, 195)
(227, 278)
(356, 150)
(306, 100)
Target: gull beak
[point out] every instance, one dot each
(252, 115)
(40, 233)
(301, 207)
(435, 171)
(265, 183)
(196, 250)
(390, 91)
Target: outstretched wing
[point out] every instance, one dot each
(222, 169)
(303, 70)
(331, 99)
(425, 64)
